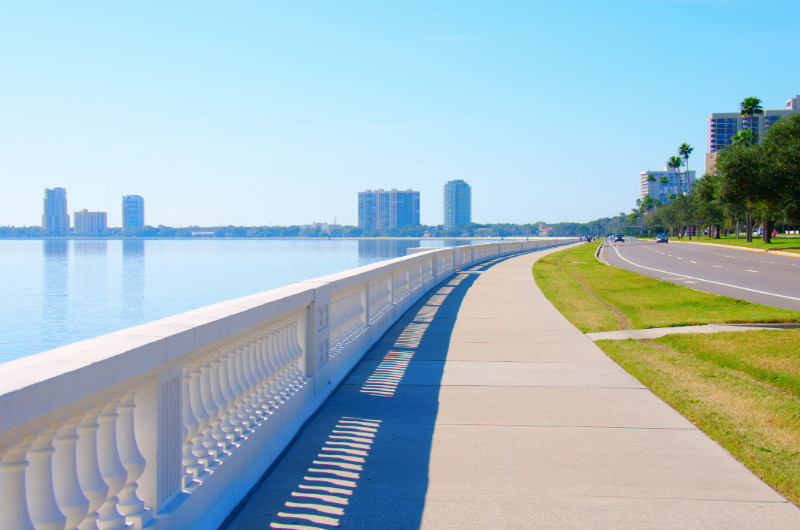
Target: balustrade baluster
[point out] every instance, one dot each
(91, 480)
(283, 349)
(217, 377)
(130, 505)
(211, 408)
(230, 421)
(42, 505)
(13, 500)
(297, 356)
(114, 473)
(237, 414)
(198, 411)
(242, 404)
(71, 500)
(262, 376)
(191, 466)
(273, 369)
(251, 376)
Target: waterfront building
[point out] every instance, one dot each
(90, 223)
(661, 191)
(723, 126)
(132, 212)
(380, 211)
(457, 204)
(55, 219)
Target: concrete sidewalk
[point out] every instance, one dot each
(484, 408)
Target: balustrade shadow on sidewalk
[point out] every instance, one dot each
(363, 461)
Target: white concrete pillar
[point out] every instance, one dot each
(130, 505)
(114, 473)
(91, 480)
(13, 498)
(71, 500)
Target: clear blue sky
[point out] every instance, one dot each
(266, 112)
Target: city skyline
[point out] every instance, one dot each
(259, 114)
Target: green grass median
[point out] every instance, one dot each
(741, 388)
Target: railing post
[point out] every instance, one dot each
(318, 336)
(159, 427)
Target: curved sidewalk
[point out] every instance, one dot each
(484, 408)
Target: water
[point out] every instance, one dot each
(55, 292)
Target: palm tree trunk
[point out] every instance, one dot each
(749, 227)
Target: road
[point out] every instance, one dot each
(759, 277)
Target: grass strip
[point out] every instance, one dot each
(740, 388)
(596, 297)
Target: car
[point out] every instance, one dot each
(662, 238)
(619, 237)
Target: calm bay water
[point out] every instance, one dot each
(55, 292)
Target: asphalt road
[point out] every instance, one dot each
(759, 277)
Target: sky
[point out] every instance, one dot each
(276, 113)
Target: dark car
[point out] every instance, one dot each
(619, 237)
(662, 238)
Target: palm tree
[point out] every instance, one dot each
(684, 151)
(675, 162)
(744, 137)
(749, 107)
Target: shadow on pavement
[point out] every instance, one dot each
(363, 461)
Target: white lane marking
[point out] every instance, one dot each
(689, 281)
(748, 270)
(717, 266)
(707, 281)
(690, 261)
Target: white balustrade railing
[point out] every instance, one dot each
(169, 424)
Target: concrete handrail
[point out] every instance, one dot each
(169, 424)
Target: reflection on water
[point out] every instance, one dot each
(55, 285)
(133, 247)
(90, 247)
(372, 250)
(133, 279)
(66, 290)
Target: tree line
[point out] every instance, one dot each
(754, 182)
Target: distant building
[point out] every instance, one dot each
(90, 223)
(380, 211)
(132, 212)
(457, 204)
(661, 191)
(55, 219)
(723, 126)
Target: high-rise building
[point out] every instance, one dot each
(379, 211)
(723, 126)
(90, 223)
(55, 219)
(132, 212)
(457, 204)
(662, 191)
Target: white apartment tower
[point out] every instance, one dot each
(132, 212)
(55, 219)
(90, 223)
(661, 188)
(457, 204)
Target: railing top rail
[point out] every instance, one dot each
(71, 373)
